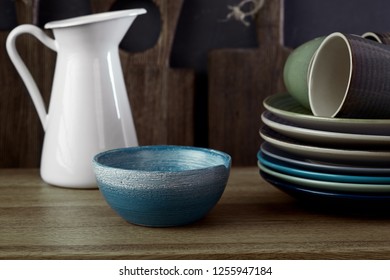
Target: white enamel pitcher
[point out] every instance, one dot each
(89, 111)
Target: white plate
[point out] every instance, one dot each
(322, 166)
(285, 107)
(321, 136)
(325, 185)
(323, 153)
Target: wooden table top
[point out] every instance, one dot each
(253, 220)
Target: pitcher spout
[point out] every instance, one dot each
(108, 27)
(94, 18)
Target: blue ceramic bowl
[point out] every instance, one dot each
(161, 186)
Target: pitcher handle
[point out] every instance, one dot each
(21, 66)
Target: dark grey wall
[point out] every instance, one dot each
(202, 27)
(306, 19)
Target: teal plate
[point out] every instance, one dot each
(326, 185)
(329, 177)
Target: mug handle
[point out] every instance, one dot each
(22, 68)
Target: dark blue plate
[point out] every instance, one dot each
(330, 198)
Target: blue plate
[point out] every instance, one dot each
(328, 197)
(329, 177)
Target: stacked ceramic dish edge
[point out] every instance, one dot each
(313, 157)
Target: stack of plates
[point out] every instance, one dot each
(315, 158)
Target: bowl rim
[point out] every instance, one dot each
(226, 158)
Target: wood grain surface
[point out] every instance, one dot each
(239, 80)
(253, 220)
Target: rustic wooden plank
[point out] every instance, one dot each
(161, 98)
(143, 84)
(160, 53)
(270, 23)
(100, 6)
(43, 222)
(270, 35)
(25, 11)
(234, 103)
(21, 133)
(239, 80)
(18, 120)
(180, 117)
(162, 104)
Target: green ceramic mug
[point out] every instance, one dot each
(296, 70)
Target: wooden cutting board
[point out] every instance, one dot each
(161, 98)
(239, 80)
(21, 132)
